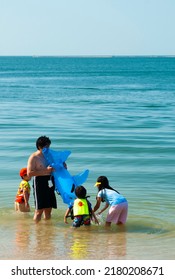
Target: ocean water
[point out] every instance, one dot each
(117, 117)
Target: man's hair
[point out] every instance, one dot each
(42, 141)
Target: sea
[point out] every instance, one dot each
(117, 117)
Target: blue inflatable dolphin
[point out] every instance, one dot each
(65, 184)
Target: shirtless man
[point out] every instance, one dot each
(44, 194)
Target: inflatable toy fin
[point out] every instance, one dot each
(65, 183)
(81, 178)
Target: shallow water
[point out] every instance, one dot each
(117, 116)
(138, 239)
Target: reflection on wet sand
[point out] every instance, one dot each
(34, 241)
(44, 244)
(22, 236)
(54, 240)
(96, 243)
(50, 240)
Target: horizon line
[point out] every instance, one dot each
(93, 56)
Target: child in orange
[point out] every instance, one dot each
(23, 193)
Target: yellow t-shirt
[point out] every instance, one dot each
(24, 186)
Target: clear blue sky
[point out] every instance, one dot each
(87, 27)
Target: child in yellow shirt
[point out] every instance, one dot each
(23, 193)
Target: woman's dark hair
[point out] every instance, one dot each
(42, 141)
(104, 183)
(80, 192)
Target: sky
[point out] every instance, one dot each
(87, 27)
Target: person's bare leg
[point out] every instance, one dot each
(23, 208)
(16, 206)
(47, 213)
(119, 224)
(37, 215)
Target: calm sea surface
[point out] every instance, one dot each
(117, 116)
